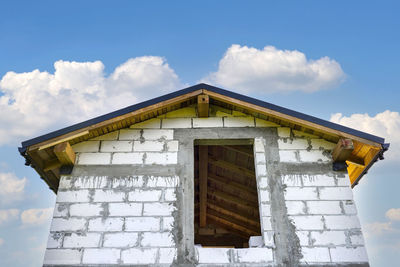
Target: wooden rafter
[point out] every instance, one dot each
(244, 203)
(293, 120)
(239, 150)
(230, 166)
(246, 232)
(233, 188)
(246, 219)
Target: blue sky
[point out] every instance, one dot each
(322, 58)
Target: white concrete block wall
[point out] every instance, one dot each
(326, 229)
(101, 220)
(306, 148)
(104, 220)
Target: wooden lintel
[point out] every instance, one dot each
(203, 104)
(65, 154)
(342, 150)
(203, 174)
(51, 165)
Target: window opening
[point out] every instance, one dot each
(226, 199)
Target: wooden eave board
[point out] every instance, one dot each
(152, 111)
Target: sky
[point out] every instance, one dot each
(65, 62)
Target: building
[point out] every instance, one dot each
(204, 176)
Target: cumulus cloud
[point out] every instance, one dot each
(389, 227)
(385, 124)
(272, 70)
(33, 217)
(8, 215)
(393, 214)
(11, 187)
(378, 228)
(35, 102)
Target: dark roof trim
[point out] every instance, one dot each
(214, 89)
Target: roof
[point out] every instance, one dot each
(159, 105)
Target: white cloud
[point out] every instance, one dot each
(35, 102)
(1, 241)
(11, 187)
(272, 70)
(393, 214)
(385, 124)
(8, 215)
(36, 216)
(378, 228)
(388, 227)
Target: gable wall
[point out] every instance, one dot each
(129, 199)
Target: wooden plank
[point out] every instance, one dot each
(356, 161)
(231, 167)
(227, 223)
(228, 182)
(65, 153)
(222, 142)
(229, 189)
(203, 174)
(342, 150)
(106, 123)
(246, 204)
(255, 221)
(51, 165)
(288, 118)
(238, 150)
(61, 140)
(233, 220)
(203, 106)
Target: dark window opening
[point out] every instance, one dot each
(226, 200)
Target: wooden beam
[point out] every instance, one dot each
(230, 166)
(342, 150)
(247, 220)
(103, 125)
(65, 154)
(289, 118)
(238, 150)
(62, 140)
(228, 181)
(203, 174)
(245, 204)
(223, 222)
(203, 106)
(51, 165)
(356, 161)
(233, 220)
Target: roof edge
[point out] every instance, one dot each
(190, 89)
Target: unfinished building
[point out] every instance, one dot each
(204, 176)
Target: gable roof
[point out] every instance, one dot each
(157, 106)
